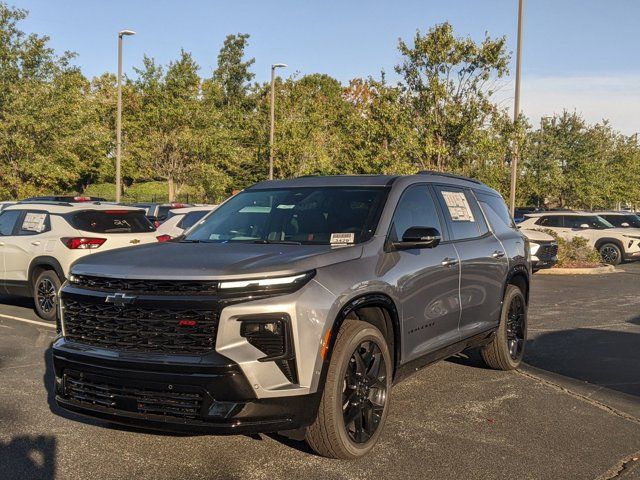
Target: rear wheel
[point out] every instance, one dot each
(45, 294)
(355, 401)
(506, 350)
(611, 254)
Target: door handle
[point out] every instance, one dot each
(35, 243)
(497, 254)
(449, 262)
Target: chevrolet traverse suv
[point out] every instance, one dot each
(294, 307)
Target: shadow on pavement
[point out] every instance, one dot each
(607, 358)
(24, 302)
(28, 457)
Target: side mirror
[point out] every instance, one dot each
(584, 226)
(418, 237)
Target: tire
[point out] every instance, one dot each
(329, 435)
(506, 350)
(611, 253)
(46, 283)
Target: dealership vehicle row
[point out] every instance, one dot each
(298, 303)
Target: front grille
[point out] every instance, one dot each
(134, 328)
(105, 393)
(547, 252)
(172, 287)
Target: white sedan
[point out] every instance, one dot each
(182, 219)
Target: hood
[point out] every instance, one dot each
(535, 235)
(211, 261)
(630, 232)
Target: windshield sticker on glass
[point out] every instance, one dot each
(34, 222)
(282, 206)
(459, 208)
(342, 238)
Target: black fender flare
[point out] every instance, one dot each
(615, 241)
(44, 261)
(520, 270)
(374, 299)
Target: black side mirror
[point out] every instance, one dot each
(418, 237)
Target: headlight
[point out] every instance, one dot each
(275, 284)
(534, 248)
(72, 278)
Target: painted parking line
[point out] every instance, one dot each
(26, 320)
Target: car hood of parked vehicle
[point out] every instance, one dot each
(212, 261)
(536, 235)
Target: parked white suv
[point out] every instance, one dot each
(182, 219)
(614, 244)
(40, 240)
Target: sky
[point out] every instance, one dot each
(578, 55)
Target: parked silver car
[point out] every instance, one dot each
(296, 305)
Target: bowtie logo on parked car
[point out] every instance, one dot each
(120, 299)
(135, 241)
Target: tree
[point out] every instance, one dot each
(450, 82)
(232, 74)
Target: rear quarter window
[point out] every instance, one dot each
(191, 218)
(497, 213)
(111, 222)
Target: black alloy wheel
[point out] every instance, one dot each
(46, 295)
(365, 392)
(515, 327)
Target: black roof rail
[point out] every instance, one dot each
(44, 202)
(448, 175)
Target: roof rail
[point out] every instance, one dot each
(44, 202)
(448, 175)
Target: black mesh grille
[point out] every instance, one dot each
(173, 287)
(133, 328)
(106, 393)
(547, 252)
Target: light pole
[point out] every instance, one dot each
(121, 34)
(273, 115)
(516, 112)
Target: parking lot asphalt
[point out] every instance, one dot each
(572, 412)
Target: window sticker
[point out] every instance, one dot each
(282, 206)
(458, 206)
(34, 222)
(342, 238)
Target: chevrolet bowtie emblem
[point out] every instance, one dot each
(120, 299)
(135, 241)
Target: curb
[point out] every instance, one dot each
(578, 271)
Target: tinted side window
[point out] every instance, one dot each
(573, 221)
(34, 223)
(416, 208)
(462, 213)
(496, 212)
(550, 221)
(190, 219)
(8, 221)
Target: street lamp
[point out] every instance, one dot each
(121, 34)
(273, 114)
(516, 111)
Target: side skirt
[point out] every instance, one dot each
(417, 364)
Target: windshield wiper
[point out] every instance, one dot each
(277, 242)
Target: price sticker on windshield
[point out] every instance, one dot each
(34, 222)
(458, 206)
(342, 238)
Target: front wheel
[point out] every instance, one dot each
(611, 254)
(506, 350)
(355, 401)
(45, 294)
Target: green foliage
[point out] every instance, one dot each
(575, 252)
(184, 134)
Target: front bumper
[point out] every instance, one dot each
(199, 394)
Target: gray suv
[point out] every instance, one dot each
(294, 307)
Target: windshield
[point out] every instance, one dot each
(306, 216)
(598, 223)
(111, 221)
(618, 220)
